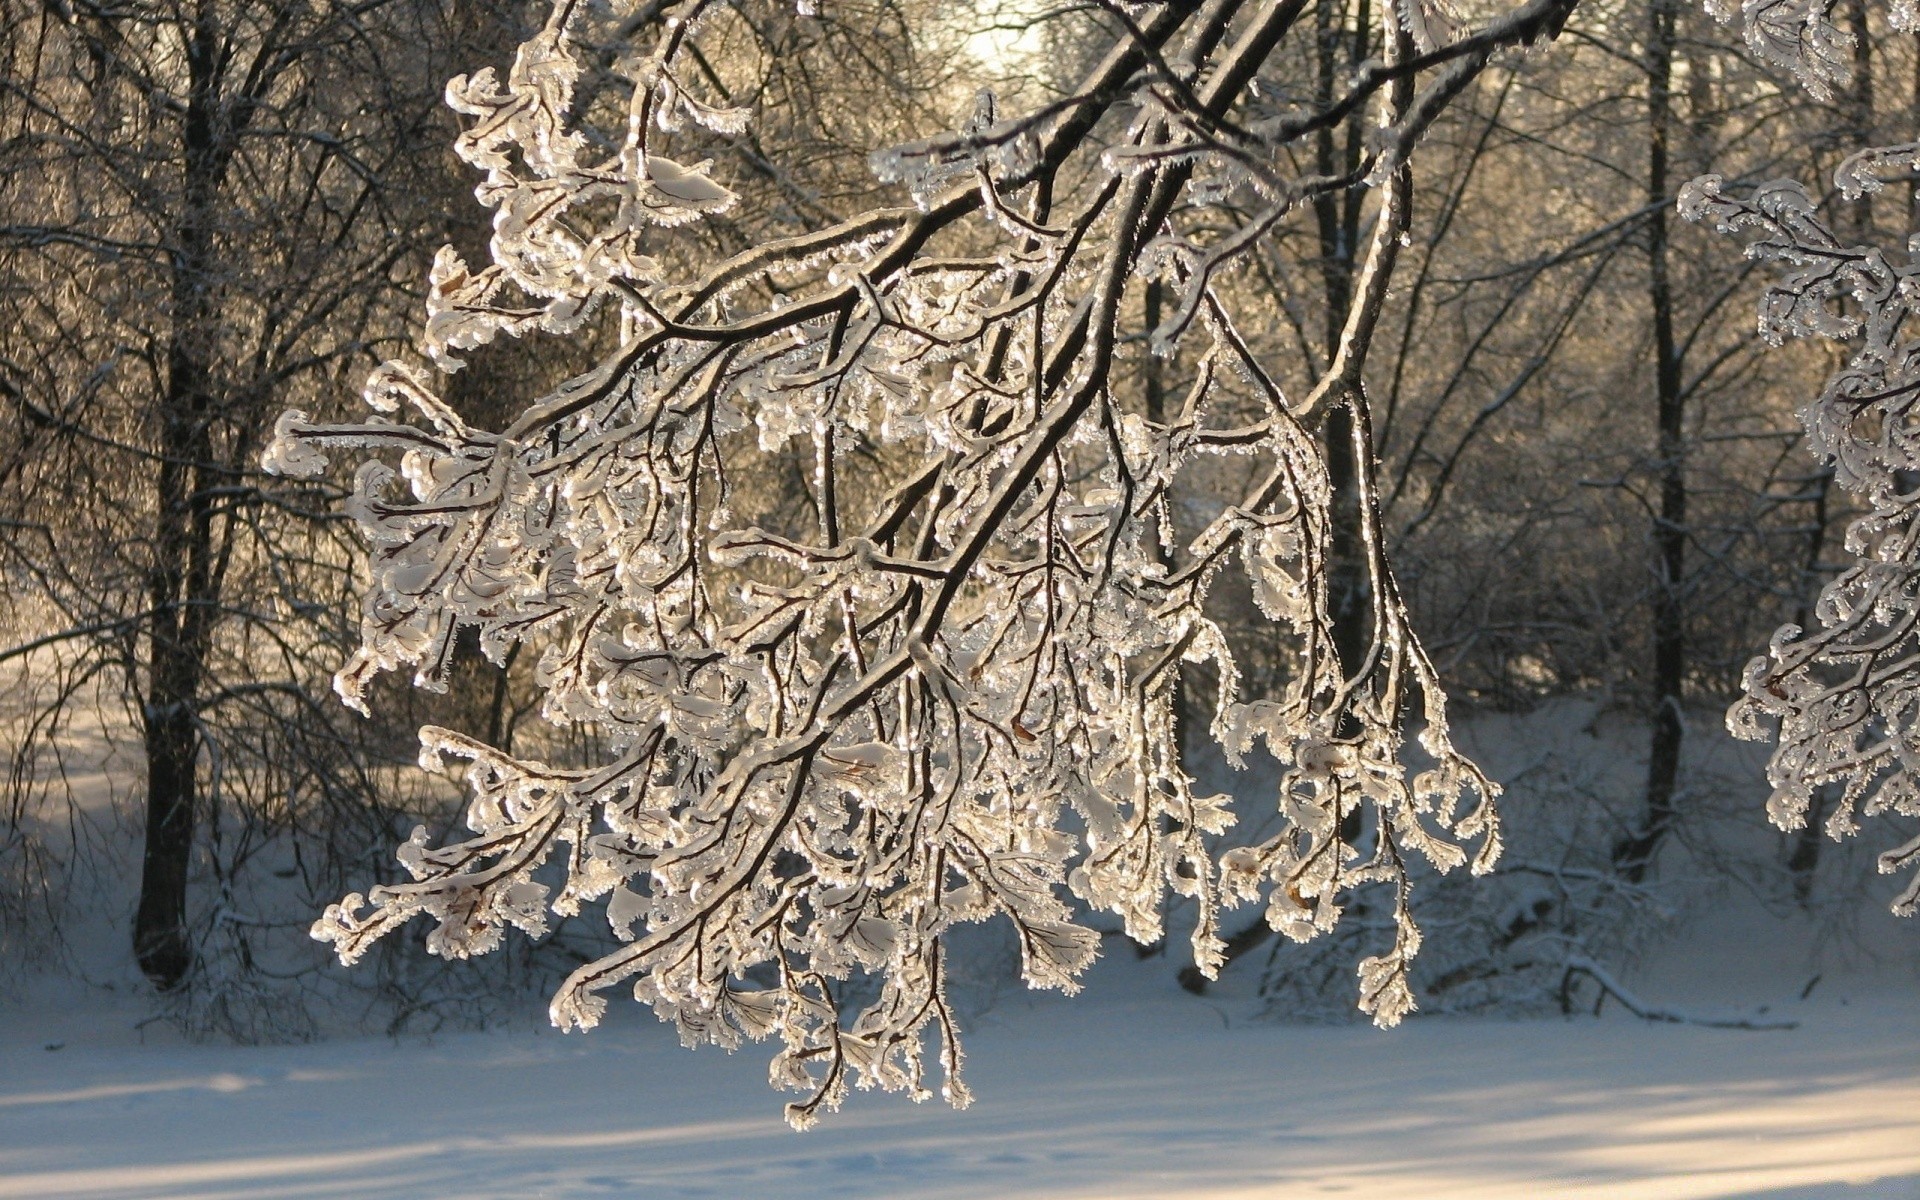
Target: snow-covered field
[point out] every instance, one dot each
(1133, 1089)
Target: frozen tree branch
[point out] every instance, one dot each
(948, 697)
(1846, 694)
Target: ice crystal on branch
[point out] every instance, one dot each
(946, 694)
(1846, 694)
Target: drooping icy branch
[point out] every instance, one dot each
(945, 693)
(1846, 694)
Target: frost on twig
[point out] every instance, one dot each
(1846, 694)
(945, 694)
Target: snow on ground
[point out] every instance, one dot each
(1132, 1090)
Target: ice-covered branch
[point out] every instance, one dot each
(945, 692)
(1846, 694)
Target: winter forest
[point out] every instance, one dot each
(1247, 598)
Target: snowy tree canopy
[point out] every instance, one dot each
(948, 695)
(1847, 694)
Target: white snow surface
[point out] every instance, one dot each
(1132, 1089)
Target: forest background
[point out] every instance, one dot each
(1594, 483)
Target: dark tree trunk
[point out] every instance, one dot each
(160, 941)
(1634, 853)
(1337, 216)
(181, 577)
(1338, 219)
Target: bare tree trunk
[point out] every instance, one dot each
(181, 578)
(1634, 853)
(202, 206)
(1338, 218)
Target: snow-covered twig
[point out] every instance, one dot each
(1611, 986)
